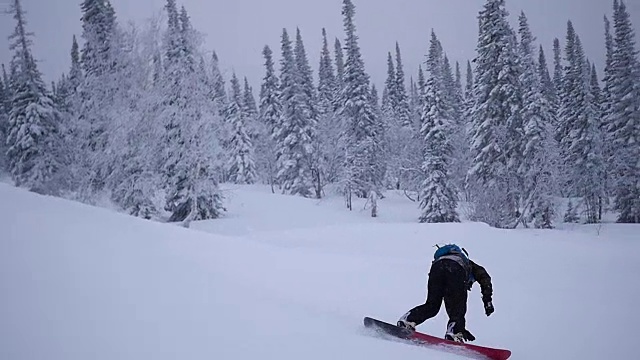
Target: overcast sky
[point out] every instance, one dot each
(238, 29)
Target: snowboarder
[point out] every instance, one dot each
(452, 274)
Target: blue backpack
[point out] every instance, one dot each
(450, 249)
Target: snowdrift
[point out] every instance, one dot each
(283, 277)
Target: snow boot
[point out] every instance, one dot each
(460, 337)
(403, 323)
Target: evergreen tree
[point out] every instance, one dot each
(439, 197)
(460, 158)
(249, 105)
(450, 92)
(339, 55)
(270, 117)
(68, 86)
(361, 131)
(557, 68)
(305, 76)
(468, 90)
(328, 122)
(327, 81)
(580, 137)
(98, 24)
(606, 108)
(495, 121)
(305, 79)
(250, 112)
(395, 144)
(402, 100)
(32, 132)
(539, 155)
(389, 96)
(415, 101)
(92, 118)
(379, 160)
(241, 162)
(294, 138)
(548, 88)
(189, 145)
(219, 90)
(75, 73)
(624, 116)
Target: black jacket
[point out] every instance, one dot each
(483, 278)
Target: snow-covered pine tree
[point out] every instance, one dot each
(379, 162)
(459, 159)
(189, 144)
(68, 85)
(294, 137)
(548, 89)
(361, 136)
(32, 132)
(270, 116)
(339, 60)
(402, 100)
(250, 110)
(411, 161)
(329, 127)
(422, 81)
(624, 117)
(558, 70)
(606, 108)
(415, 101)
(327, 82)
(305, 76)
(389, 95)
(217, 79)
(540, 156)
(580, 137)
(449, 87)
(98, 24)
(310, 98)
(438, 194)
(458, 83)
(249, 105)
(92, 119)
(596, 106)
(241, 165)
(468, 87)
(403, 133)
(75, 73)
(495, 121)
(394, 144)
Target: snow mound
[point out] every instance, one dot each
(284, 277)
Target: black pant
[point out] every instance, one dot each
(448, 281)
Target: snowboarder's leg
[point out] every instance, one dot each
(455, 300)
(431, 307)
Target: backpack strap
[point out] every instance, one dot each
(462, 261)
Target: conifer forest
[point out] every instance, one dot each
(146, 119)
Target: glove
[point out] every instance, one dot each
(488, 308)
(467, 335)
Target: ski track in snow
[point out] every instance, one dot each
(285, 277)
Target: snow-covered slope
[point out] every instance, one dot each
(283, 277)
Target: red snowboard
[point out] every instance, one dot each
(473, 351)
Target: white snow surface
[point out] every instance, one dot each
(282, 277)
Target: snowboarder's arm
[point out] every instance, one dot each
(483, 278)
